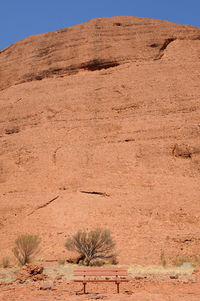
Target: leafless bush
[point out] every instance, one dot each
(114, 260)
(163, 259)
(93, 245)
(179, 260)
(27, 246)
(97, 263)
(5, 262)
(61, 261)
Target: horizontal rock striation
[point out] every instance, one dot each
(98, 44)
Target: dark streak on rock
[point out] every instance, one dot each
(166, 43)
(93, 65)
(44, 205)
(55, 153)
(163, 48)
(129, 140)
(117, 24)
(98, 64)
(95, 192)
(130, 107)
(11, 131)
(154, 45)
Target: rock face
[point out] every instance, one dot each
(99, 127)
(95, 45)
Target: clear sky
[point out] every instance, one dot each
(22, 18)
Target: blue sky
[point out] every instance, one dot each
(22, 18)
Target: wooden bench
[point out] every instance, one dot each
(116, 275)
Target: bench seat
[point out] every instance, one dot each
(116, 275)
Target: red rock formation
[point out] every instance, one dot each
(99, 127)
(30, 271)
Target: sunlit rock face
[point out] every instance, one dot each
(99, 127)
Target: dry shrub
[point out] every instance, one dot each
(5, 262)
(179, 260)
(93, 245)
(27, 246)
(114, 260)
(197, 259)
(61, 261)
(97, 263)
(163, 259)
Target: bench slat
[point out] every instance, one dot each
(99, 269)
(101, 280)
(100, 273)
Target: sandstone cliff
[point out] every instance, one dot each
(99, 126)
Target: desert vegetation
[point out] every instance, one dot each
(163, 259)
(180, 260)
(61, 261)
(94, 247)
(26, 248)
(5, 262)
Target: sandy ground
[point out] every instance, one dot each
(134, 291)
(170, 285)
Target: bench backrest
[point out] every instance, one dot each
(114, 272)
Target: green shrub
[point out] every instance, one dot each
(93, 245)
(27, 246)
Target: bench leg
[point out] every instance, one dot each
(84, 288)
(117, 287)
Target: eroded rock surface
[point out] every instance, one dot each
(30, 272)
(99, 127)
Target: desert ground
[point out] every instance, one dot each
(146, 284)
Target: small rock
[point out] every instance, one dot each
(128, 292)
(175, 276)
(59, 277)
(196, 270)
(74, 260)
(45, 287)
(29, 271)
(140, 277)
